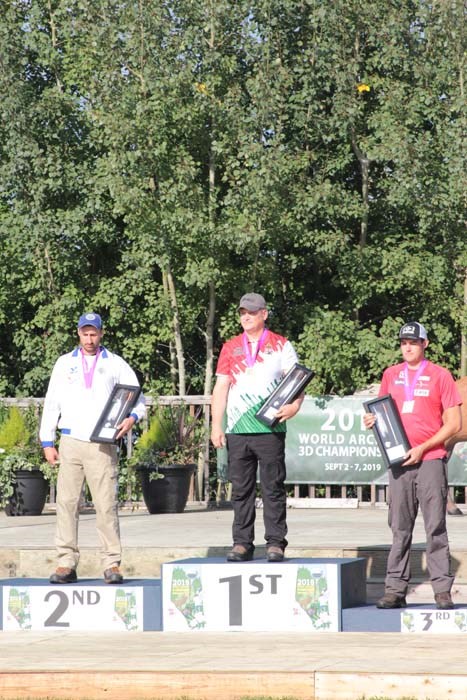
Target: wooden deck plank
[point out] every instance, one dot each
(166, 685)
(354, 686)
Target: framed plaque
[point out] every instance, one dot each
(388, 429)
(291, 386)
(118, 407)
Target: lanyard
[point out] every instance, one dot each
(88, 372)
(250, 360)
(410, 387)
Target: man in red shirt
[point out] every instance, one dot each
(429, 405)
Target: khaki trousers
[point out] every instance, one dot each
(97, 463)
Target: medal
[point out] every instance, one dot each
(250, 359)
(409, 387)
(88, 371)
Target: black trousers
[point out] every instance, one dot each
(245, 453)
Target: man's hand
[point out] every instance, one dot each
(51, 455)
(413, 456)
(218, 438)
(289, 410)
(218, 406)
(452, 422)
(369, 419)
(125, 426)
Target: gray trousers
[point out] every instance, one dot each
(424, 485)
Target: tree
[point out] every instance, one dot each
(160, 158)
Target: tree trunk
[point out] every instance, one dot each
(172, 353)
(180, 357)
(364, 164)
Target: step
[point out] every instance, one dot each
(142, 562)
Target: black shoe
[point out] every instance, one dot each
(274, 553)
(240, 553)
(113, 575)
(391, 600)
(444, 601)
(63, 575)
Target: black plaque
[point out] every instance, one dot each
(118, 407)
(290, 387)
(388, 429)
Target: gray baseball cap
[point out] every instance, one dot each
(413, 331)
(252, 302)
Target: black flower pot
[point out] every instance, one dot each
(170, 493)
(30, 491)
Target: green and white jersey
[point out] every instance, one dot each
(251, 385)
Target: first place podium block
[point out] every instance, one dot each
(295, 595)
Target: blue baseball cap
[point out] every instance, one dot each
(90, 320)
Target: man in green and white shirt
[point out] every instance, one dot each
(250, 366)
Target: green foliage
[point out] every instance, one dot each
(20, 449)
(309, 151)
(174, 436)
(129, 486)
(13, 431)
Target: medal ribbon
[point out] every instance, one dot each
(89, 372)
(409, 388)
(250, 360)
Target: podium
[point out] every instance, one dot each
(196, 595)
(89, 604)
(295, 595)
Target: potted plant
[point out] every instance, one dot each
(165, 457)
(25, 476)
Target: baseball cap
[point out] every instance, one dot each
(413, 331)
(90, 320)
(252, 302)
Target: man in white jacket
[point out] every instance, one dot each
(79, 387)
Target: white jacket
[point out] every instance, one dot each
(74, 408)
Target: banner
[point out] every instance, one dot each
(327, 443)
(255, 597)
(30, 607)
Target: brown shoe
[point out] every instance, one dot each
(240, 553)
(274, 553)
(391, 600)
(63, 575)
(113, 575)
(444, 601)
